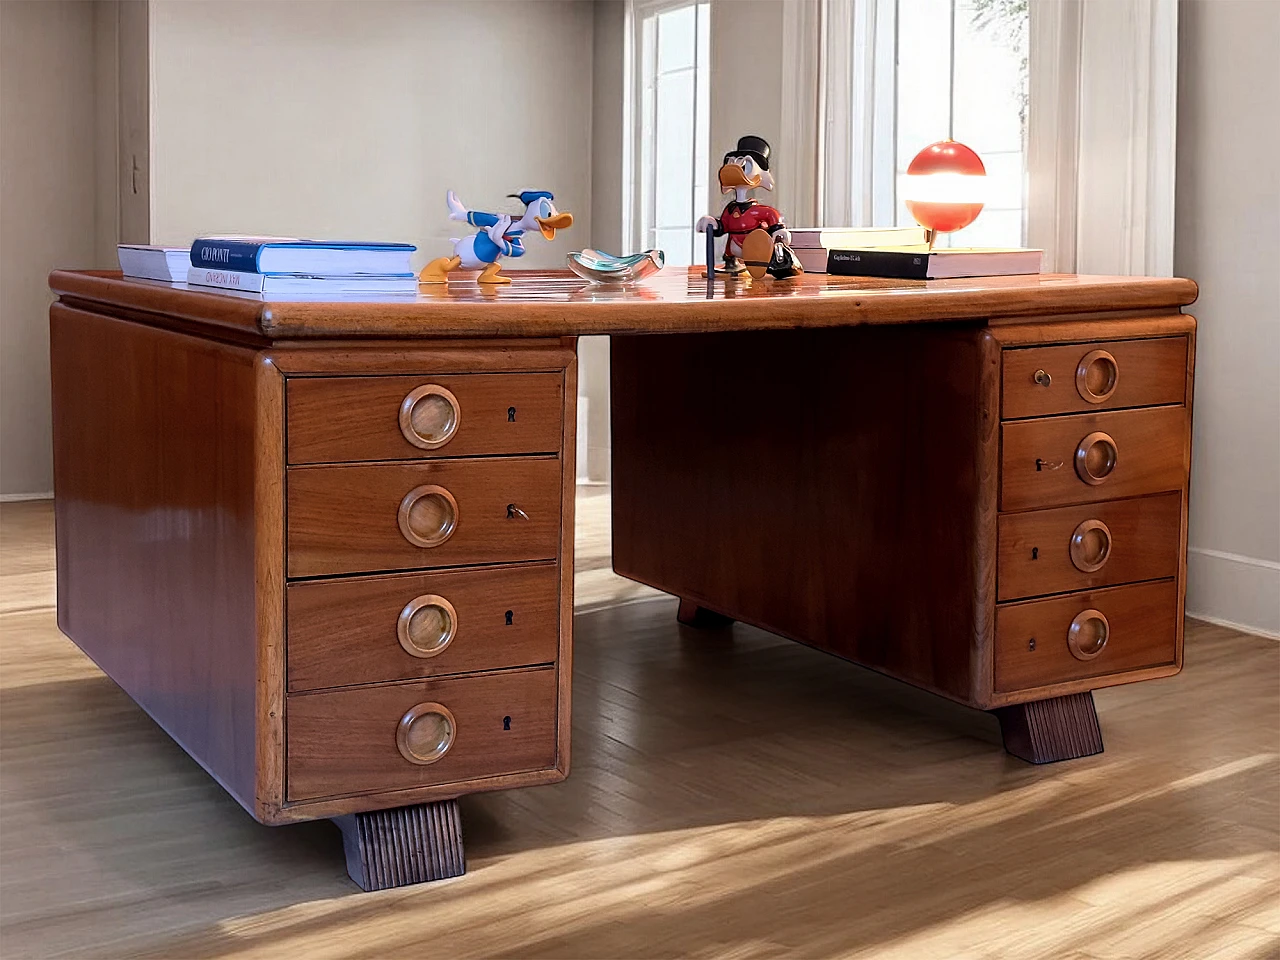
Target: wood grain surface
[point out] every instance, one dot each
(557, 303)
(344, 742)
(695, 823)
(357, 418)
(1142, 634)
(1035, 548)
(344, 631)
(415, 844)
(1151, 447)
(1046, 731)
(154, 459)
(836, 487)
(1150, 372)
(342, 519)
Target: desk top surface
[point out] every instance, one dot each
(559, 304)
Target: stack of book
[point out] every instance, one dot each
(903, 253)
(813, 244)
(277, 265)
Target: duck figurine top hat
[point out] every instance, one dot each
(746, 168)
(499, 236)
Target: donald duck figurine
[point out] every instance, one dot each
(499, 236)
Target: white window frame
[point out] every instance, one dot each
(633, 119)
(1101, 127)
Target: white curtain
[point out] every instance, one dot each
(1101, 125)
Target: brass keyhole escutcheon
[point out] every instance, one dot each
(428, 515)
(427, 625)
(1097, 376)
(1090, 546)
(1096, 458)
(426, 732)
(1043, 378)
(1088, 633)
(429, 416)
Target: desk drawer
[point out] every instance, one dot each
(1091, 634)
(400, 516)
(334, 419)
(409, 626)
(1078, 548)
(1039, 381)
(1100, 456)
(362, 741)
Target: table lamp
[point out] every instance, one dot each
(944, 188)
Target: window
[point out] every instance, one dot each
(902, 74)
(962, 74)
(671, 127)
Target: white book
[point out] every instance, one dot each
(854, 238)
(154, 263)
(322, 286)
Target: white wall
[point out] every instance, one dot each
(47, 211)
(345, 119)
(746, 81)
(1228, 240)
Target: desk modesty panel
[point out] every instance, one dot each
(328, 547)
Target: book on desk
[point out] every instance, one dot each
(278, 265)
(903, 253)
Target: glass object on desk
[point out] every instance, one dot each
(601, 267)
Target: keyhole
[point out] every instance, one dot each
(1031, 644)
(506, 723)
(1039, 464)
(1035, 553)
(511, 414)
(510, 615)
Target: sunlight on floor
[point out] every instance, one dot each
(731, 795)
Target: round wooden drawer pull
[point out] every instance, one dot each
(429, 416)
(1090, 546)
(428, 515)
(425, 733)
(1096, 458)
(1097, 376)
(427, 625)
(1087, 635)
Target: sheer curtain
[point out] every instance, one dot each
(1099, 135)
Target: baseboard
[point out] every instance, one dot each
(19, 497)
(1242, 627)
(1234, 591)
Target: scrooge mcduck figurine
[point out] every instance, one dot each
(499, 236)
(746, 168)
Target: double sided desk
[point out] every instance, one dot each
(328, 547)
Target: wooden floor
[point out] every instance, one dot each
(732, 795)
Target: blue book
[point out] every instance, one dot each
(284, 255)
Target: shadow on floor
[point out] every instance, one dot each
(674, 730)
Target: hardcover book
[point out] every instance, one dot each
(811, 244)
(916, 264)
(297, 284)
(285, 255)
(855, 238)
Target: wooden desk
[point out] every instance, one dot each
(329, 547)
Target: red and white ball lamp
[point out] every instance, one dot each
(945, 187)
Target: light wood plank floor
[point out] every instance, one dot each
(732, 795)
